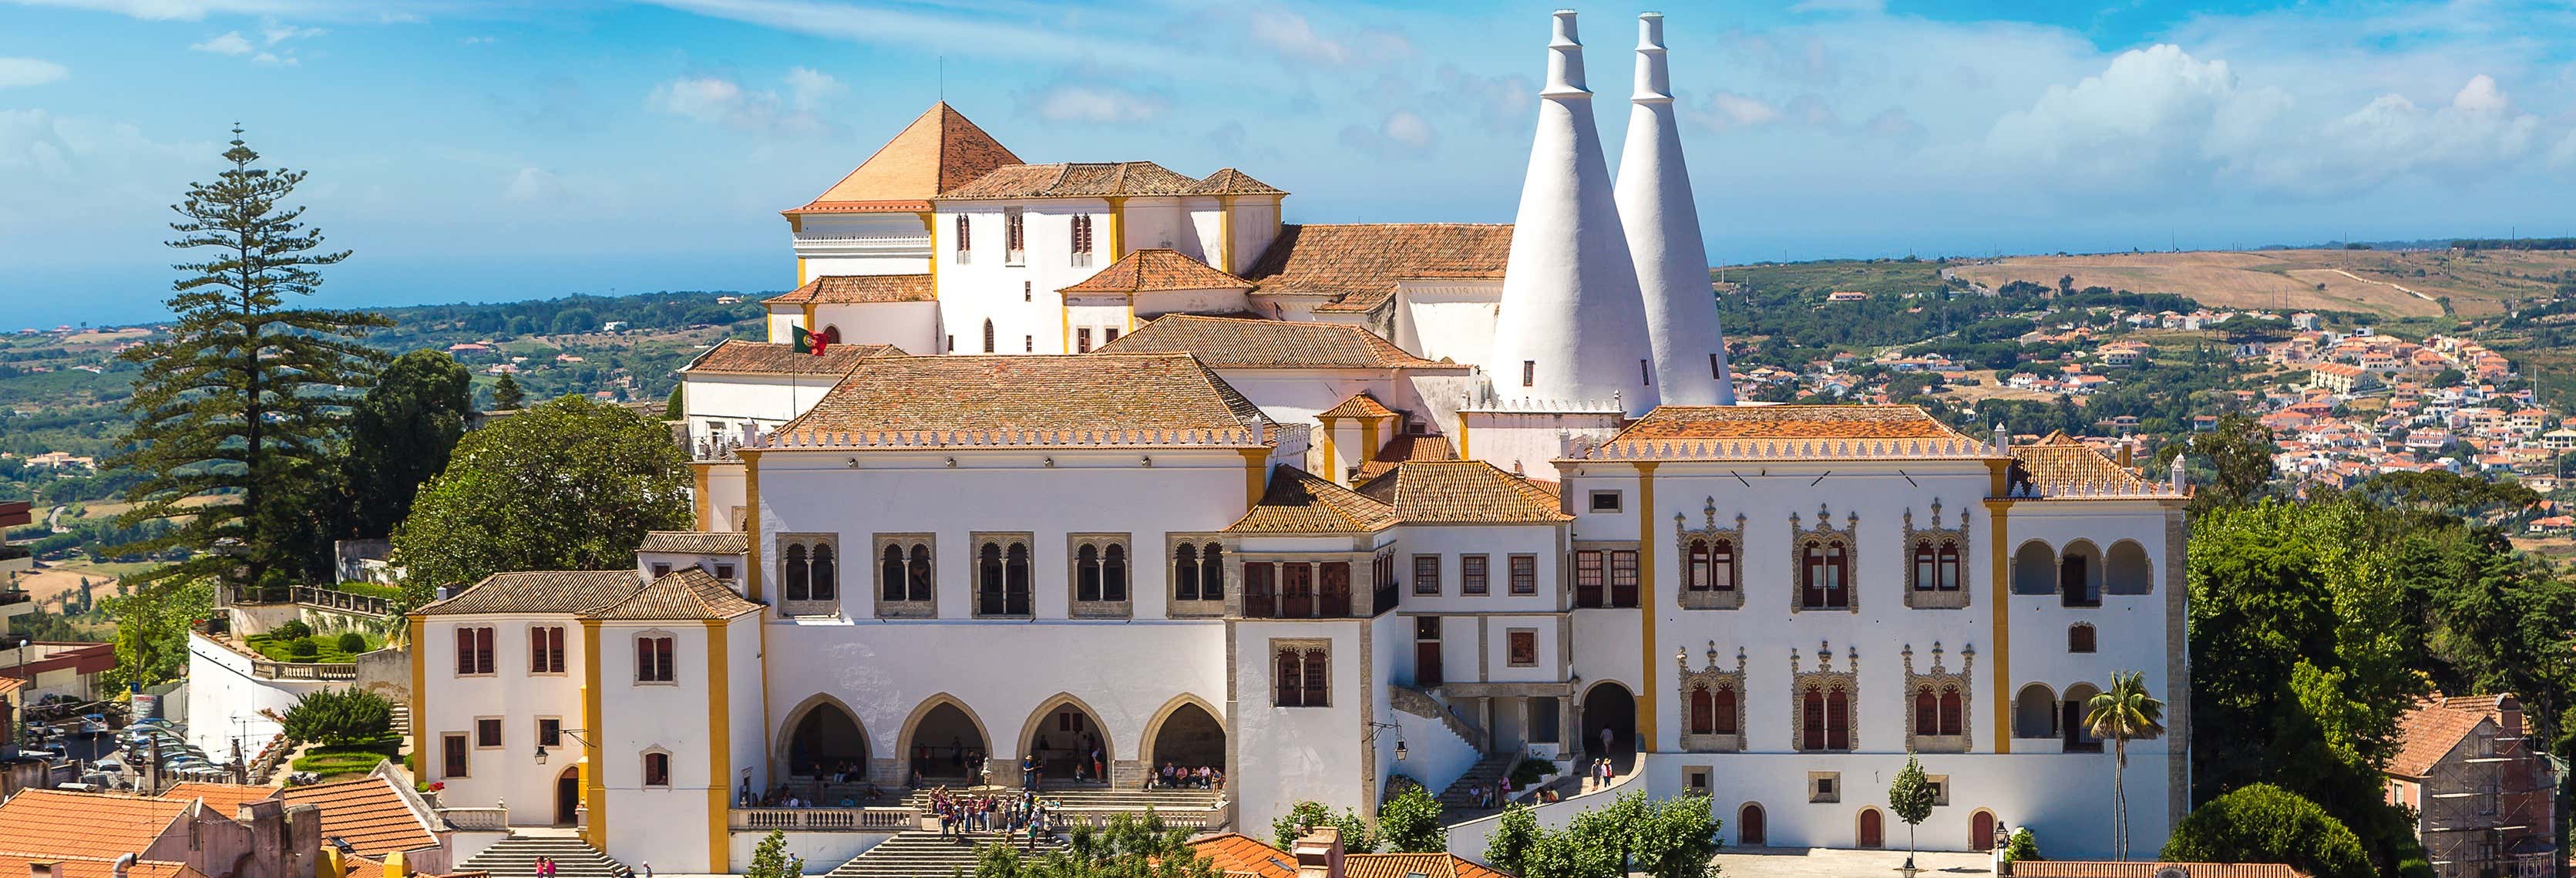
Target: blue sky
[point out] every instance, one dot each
(492, 150)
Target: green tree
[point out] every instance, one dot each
(348, 716)
(2123, 713)
(401, 434)
(770, 859)
(1514, 834)
(1673, 838)
(1305, 816)
(2238, 455)
(1910, 796)
(1127, 848)
(2262, 823)
(506, 395)
(567, 485)
(1410, 823)
(237, 403)
(152, 630)
(2023, 846)
(672, 407)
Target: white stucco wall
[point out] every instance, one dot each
(662, 824)
(910, 326)
(508, 774)
(225, 701)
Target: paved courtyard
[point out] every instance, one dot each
(1830, 863)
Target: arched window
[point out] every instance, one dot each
(1837, 720)
(1722, 708)
(1113, 573)
(1927, 708)
(1185, 572)
(1696, 575)
(1953, 719)
(2079, 638)
(800, 583)
(2127, 571)
(832, 335)
(890, 573)
(2035, 712)
(1926, 566)
(917, 573)
(1811, 709)
(824, 585)
(1949, 578)
(1721, 565)
(1212, 573)
(988, 335)
(2079, 575)
(1015, 580)
(964, 241)
(1703, 711)
(1318, 672)
(988, 580)
(1086, 573)
(2034, 569)
(1290, 680)
(1826, 575)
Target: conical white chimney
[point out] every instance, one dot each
(1572, 327)
(1662, 223)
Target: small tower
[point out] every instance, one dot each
(1572, 332)
(1662, 223)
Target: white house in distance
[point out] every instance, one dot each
(1312, 506)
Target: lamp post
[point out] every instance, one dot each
(574, 734)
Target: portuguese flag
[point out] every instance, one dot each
(809, 343)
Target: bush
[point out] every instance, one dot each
(346, 718)
(1410, 824)
(2024, 846)
(352, 642)
(303, 648)
(1527, 772)
(2262, 823)
(292, 630)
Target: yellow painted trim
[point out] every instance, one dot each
(1064, 321)
(419, 634)
(754, 580)
(719, 749)
(1647, 608)
(1253, 469)
(594, 778)
(1999, 566)
(1117, 229)
(1368, 440)
(800, 281)
(1225, 233)
(1131, 316)
(705, 505)
(796, 222)
(809, 315)
(1332, 464)
(1462, 437)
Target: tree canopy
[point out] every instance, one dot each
(566, 485)
(1672, 838)
(401, 434)
(1410, 823)
(1127, 848)
(2262, 823)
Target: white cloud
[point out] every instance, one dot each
(228, 43)
(533, 184)
(1290, 35)
(2564, 154)
(276, 59)
(1732, 110)
(274, 33)
(101, 172)
(719, 101)
(1498, 103)
(30, 71)
(1071, 102)
(999, 34)
(1402, 133)
(181, 10)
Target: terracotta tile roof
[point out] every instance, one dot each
(2062, 464)
(1404, 449)
(1462, 492)
(939, 151)
(695, 542)
(1236, 854)
(1299, 502)
(736, 356)
(96, 867)
(1788, 422)
(368, 813)
(860, 289)
(1401, 865)
(2133, 869)
(1095, 392)
(538, 591)
(1360, 263)
(2435, 727)
(686, 594)
(1256, 343)
(225, 798)
(1359, 405)
(1157, 268)
(51, 823)
(1228, 181)
(1074, 180)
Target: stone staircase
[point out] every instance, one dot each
(1100, 795)
(402, 720)
(1458, 802)
(516, 857)
(927, 854)
(1421, 703)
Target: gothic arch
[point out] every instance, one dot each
(903, 740)
(1037, 718)
(1154, 726)
(784, 739)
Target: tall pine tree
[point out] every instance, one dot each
(236, 412)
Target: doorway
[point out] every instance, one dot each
(568, 797)
(1426, 652)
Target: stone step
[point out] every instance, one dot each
(517, 855)
(928, 854)
(1462, 792)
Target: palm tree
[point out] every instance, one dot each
(2123, 713)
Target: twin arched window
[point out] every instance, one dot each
(1938, 714)
(1824, 574)
(903, 572)
(1712, 710)
(811, 573)
(964, 241)
(1082, 239)
(1824, 719)
(1002, 578)
(1198, 572)
(1936, 568)
(1302, 679)
(1100, 572)
(1710, 566)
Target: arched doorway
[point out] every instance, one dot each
(1981, 830)
(2079, 575)
(1610, 724)
(827, 742)
(2034, 569)
(945, 743)
(1749, 831)
(2070, 726)
(1067, 741)
(1873, 828)
(568, 796)
(1187, 736)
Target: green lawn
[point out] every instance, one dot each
(329, 760)
(326, 648)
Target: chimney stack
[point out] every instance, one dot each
(1573, 325)
(1319, 853)
(1662, 223)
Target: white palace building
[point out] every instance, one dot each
(1106, 457)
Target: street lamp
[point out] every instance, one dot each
(574, 734)
(1374, 728)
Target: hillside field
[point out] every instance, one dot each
(2390, 283)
